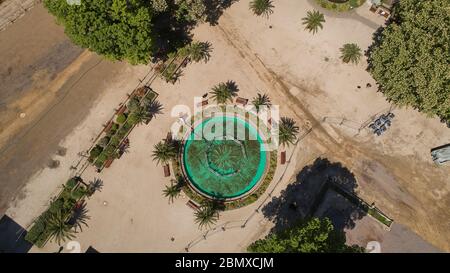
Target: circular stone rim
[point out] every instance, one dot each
(205, 195)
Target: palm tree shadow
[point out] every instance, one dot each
(232, 87)
(316, 192)
(154, 108)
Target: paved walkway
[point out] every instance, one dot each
(11, 10)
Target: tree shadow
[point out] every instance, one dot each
(322, 189)
(215, 9)
(173, 34)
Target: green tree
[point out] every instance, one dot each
(172, 191)
(313, 21)
(224, 92)
(410, 58)
(163, 152)
(287, 131)
(262, 7)
(261, 100)
(58, 228)
(119, 29)
(79, 217)
(350, 53)
(132, 30)
(206, 215)
(313, 236)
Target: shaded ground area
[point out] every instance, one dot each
(12, 237)
(310, 195)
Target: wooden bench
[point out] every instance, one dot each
(166, 170)
(202, 103)
(192, 205)
(169, 137)
(108, 126)
(109, 162)
(242, 101)
(121, 110)
(283, 157)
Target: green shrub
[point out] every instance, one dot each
(121, 118)
(113, 129)
(71, 183)
(115, 141)
(95, 152)
(101, 160)
(104, 141)
(133, 104)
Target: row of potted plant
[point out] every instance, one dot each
(65, 214)
(141, 108)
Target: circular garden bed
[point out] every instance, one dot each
(340, 5)
(225, 167)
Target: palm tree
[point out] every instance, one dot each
(163, 152)
(261, 100)
(261, 7)
(154, 108)
(350, 53)
(224, 92)
(139, 116)
(172, 191)
(58, 228)
(200, 51)
(206, 215)
(79, 217)
(313, 21)
(288, 131)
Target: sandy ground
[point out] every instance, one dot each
(53, 83)
(395, 171)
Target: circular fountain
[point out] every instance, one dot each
(223, 157)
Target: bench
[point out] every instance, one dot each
(192, 205)
(166, 170)
(108, 162)
(283, 157)
(242, 101)
(108, 127)
(121, 110)
(202, 103)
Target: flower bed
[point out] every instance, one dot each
(339, 5)
(108, 147)
(64, 203)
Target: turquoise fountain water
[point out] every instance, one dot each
(223, 157)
